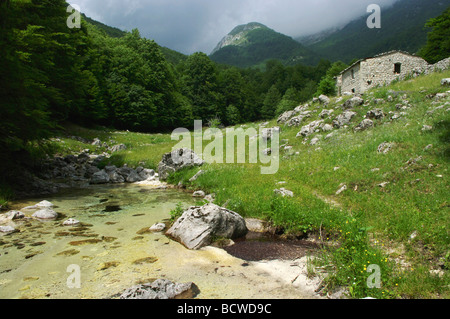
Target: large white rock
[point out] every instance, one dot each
(286, 116)
(117, 148)
(7, 229)
(14, 214)
(44, 204)
(176, 160)
(324, 99)
(310, 128)
(198, 226)
(161, 289)
(364, 125)
(45, 213)
(325, 113)
(284, 192)
(343, 119)
(199, 194)
(375, 114)
(146, 173)
(385, 147)
(101, 177)
(353, 102)
(133, 177)
(327, 128)
(297, 120)
(445, 82)
(158, 227)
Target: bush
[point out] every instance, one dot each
(327, 87)
(215, 122)
(176, 212)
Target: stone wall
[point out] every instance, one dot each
(351, 80)
(378, 71)
(438, 67)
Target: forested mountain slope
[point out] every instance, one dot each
(402, 28)
(254, 43)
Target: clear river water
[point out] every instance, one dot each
(113, 250)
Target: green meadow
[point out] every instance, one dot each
(394, 212)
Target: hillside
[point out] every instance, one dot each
(309, 40)
(110, 31)
(372, 194)
(402, 28)
(252, 44)
(171, 56)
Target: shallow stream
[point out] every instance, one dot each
(113, 251)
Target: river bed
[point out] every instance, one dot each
(113, 252)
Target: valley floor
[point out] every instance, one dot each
(366, 205)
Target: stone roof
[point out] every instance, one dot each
(377, 56)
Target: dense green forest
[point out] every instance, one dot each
(51, 74)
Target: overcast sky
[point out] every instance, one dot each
(190, 26)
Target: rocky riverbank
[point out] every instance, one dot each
(86, 169)
(73, 171)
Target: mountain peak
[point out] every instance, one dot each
(247, 27)
(238, 35)
(254, 43)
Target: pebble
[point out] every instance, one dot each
(71, 222)
(158, 227)
(7, 229)
(342, 189)
(199, 194)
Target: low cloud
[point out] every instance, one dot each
(189, 26)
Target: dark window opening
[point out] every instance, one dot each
(353, 90)
(369, 82)
(397, 68)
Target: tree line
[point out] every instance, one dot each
(51, 74)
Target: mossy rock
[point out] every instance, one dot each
(33, 254)
(39, 243)
(108, 239)
(70, 252)
(146, 260)
(145, 230)
(107, 265)
(85, 242)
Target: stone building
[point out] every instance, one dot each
(379, 70)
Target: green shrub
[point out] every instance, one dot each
(176, 212)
